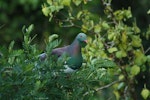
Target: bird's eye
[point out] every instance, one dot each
(80, 35)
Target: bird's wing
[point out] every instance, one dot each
(59, 51)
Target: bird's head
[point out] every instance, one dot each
(82, 38)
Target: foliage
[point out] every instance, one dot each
(24, 76)
(114, 40)
(115, 60)
(15, 14)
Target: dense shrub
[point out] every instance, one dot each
(116, 62)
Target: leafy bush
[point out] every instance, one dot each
(115, 60)
(24, 76)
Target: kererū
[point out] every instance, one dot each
(73, 51)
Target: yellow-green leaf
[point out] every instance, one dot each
(113, 49)
(49, 2)
(136, 41)
(121, 77)
(66, 2)
(105, 25)
(145, 93)
(77, 2)
(30, 28)
(148, 12)
(52, 37)
(135, 70)
(140, 58)
(117, 95)
(120, 54)
(111, 35)
(97, 28)
(124, 37)
(79, 14)
(46, 11)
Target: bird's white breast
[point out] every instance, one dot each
(68, 69)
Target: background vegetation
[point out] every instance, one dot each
(116, 59)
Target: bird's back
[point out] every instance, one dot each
(60, 51)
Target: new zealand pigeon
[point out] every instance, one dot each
(73, 52)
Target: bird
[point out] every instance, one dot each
(73, 52)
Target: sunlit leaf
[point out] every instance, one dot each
(111, 35)
(79, 14)
(140, 58)
(77, 2)
(97, 28)
(136, 41)
(120, 54)
(46, 11)
(105, 25)
(121, 77)
(124, 37)
(148, 12)
(135, 70)
(113, 49)
(66, 2)
(52, 37)
(145, 93)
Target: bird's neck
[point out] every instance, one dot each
(76, 48)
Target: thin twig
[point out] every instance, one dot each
(147, 50)
(2, 26)
(106, 86)
(101, 88)
(106, 4)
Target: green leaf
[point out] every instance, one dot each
(140, 58)
(135, 28)
(52, 37)
(11, 45)
(128, 13)
(124, 37)
(16, 53)
(135, 70)
(79, 14)
(66, 2)
(145, 93)
(148, 59)
(49, 2)
(120, 54)
(30, 28)
(97, 28)
(111, 35)
(148, 12)
(121, 85)
(121, 77)
(105, 25)
(46, 11)
(37, 85)
(77, 2)
(113, 49)
(136, 41)
(11, 60)
(104, 63)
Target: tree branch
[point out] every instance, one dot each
(101, 88)
(147, 50)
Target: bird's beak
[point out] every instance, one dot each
(85, 41)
